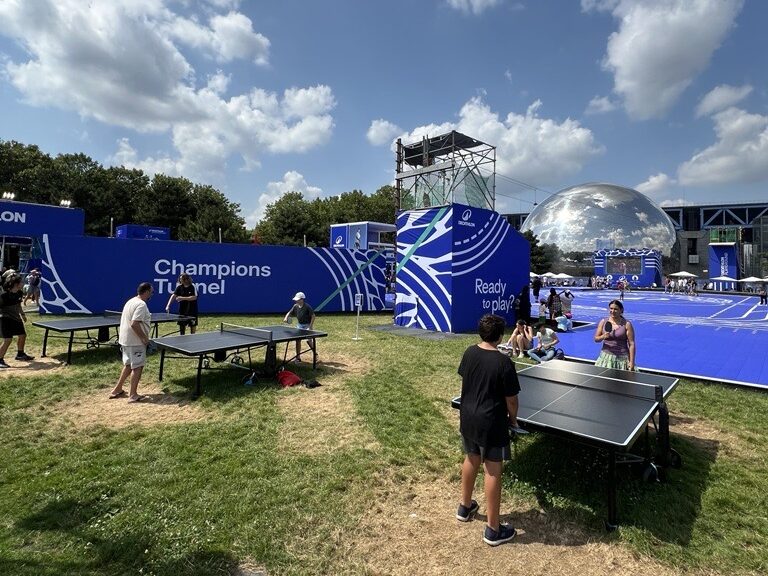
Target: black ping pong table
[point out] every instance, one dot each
(102, 324)
(608, 409)
(230, 342)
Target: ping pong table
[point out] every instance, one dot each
(605, 408)
(101, 324)
(230, 342)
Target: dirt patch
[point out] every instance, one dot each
(323, 420)
(36, 367)
(707, 436)
(97, 410)
(412, 530)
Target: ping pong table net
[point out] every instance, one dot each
(607, 381)
(258, 333)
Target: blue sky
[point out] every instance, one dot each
(669, 97)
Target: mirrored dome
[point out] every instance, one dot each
(593, 216)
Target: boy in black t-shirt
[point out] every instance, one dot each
(187, 297)
(489, 389)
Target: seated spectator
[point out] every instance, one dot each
(564, 324)
(547, 341)
(521, 339)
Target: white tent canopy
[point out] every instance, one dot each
(752, 279)
(549, 274)
(563, 276)
(724, 279)
(684, 274)
(533, 275)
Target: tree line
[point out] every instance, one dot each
(193, 212)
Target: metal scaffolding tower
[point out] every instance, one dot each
(446, 169)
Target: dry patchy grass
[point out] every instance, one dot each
(411, 529)
(95, 409)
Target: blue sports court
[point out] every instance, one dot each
(712, 336)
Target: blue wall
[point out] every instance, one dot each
(89, 275)
(456, 263)
(34, 220)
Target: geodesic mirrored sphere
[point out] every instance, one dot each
(593, 216)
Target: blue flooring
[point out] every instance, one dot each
(711, 336)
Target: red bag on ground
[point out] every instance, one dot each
(287, 378)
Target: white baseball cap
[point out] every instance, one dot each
(299, 296)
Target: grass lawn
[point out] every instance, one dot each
(345, 478)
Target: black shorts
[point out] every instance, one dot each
(192, 322)
(490, 453)
(10, 327)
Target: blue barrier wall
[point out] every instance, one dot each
(89, 275)
(34, 220)
(638, 266)
(456, 263)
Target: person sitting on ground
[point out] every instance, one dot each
(489, 389)
(521, 339)
(12, 320)
(546, 346)
(618, 337)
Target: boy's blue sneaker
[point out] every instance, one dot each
(504, 534)
(464, 513)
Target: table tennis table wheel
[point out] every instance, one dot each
(238, 360)
(206, 362)
(650, 473)
(675, 459)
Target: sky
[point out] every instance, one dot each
(259, 98)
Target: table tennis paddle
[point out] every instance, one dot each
(607, 327)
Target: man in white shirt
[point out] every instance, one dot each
(133, 337)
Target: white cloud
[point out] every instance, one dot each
(722, 97)
(600, 105)
(740, 154)
(661, 46)
(656, 184)
(675, 202)
(535, 150)
(382, 132)
(292, 182)
(119, 62)
(473, 6)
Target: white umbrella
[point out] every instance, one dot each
(724, 279)
(549, 274)
(562, 276)
(684, 274)
(533, 275)
(751, 279)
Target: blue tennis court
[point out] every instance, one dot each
(717, 337)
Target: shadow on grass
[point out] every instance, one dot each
(569, 481)
(130, 553)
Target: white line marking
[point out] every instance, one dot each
(729, 307)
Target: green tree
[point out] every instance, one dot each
(286, 221)
(540, 262)
(212, 211)
(167, 202)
